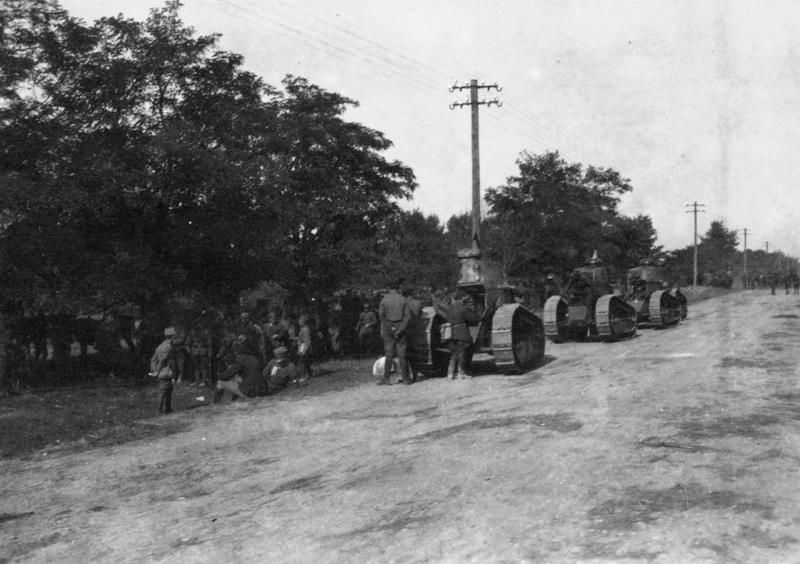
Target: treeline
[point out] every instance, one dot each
(142, 165)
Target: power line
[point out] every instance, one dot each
(396, 68)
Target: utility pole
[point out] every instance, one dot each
(767, 244)
(695, 209)
(744, 259)
(473, 102)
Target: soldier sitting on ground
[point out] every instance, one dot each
(280, 371)
(241, 378)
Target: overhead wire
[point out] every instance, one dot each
(380, 61)
(437, 72)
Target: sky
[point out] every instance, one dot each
(692, 100)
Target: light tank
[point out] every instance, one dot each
(651, 292)
(512, 335)
(588, 307)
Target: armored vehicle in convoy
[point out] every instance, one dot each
(509, 333)
(588, 307)
(651, 292)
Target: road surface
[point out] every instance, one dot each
(680, 445)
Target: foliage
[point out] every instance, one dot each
(716, 249)
(412, 247)
(716, 254)
(139, 162)
(553, 215)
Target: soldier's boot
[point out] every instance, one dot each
(451, 369)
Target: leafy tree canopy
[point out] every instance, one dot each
(139, 161)
(553, 215)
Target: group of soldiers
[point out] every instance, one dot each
(255, 360)
(772, 280)
(402, 331)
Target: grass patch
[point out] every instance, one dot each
(107, 413)
(87, 417)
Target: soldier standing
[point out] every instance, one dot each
(416, 332)
(304, 349)
(394, 316)
(551, 287)
(161, 367)
(460, 315)
(200, 358)
(367, 324)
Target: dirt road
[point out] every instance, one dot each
(677, 446)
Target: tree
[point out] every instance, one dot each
(336, 189)
(555, 214)
(140, 162)
(717, 248)
(412, 247)
(628, 240)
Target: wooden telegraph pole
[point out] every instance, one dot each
(695, 209)
(744, 260)
(474, 102)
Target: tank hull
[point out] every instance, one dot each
(516, 341)
(609, 318)
(660, 309)
(427, 353)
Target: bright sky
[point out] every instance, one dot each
(692, 100)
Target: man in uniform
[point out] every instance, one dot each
(280, 372)
(367, 324)
(415, 331)
(460, 314)
(243, 377)
(551, 287)
(161, 367)
(394, 316)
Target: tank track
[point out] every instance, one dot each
(665, 310)
(518, 338)
(615, 319)
(556, 315)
